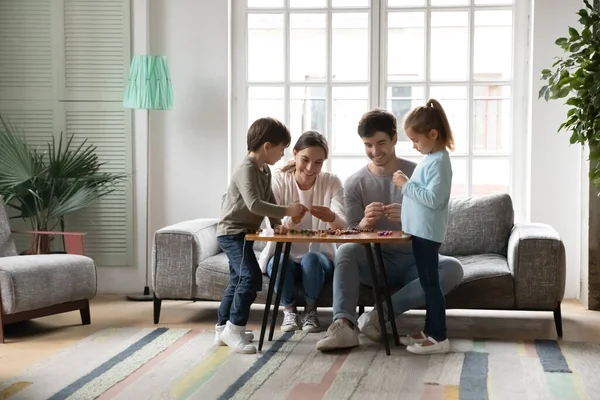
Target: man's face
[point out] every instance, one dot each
(380, 148)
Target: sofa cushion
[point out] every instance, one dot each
(7, 245)
(37, 281)
(478, 225)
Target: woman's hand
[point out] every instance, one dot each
(280, 229)
(323, 213)
(296, 210)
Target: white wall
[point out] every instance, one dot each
(556, 179)
(189, 158)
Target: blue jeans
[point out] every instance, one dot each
(314, 270)
(426, 258)
(352, 270)
(245, 279)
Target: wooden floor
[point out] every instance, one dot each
(29, 342)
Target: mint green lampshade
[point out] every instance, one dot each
(149, 84)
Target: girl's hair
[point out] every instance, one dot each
(306, 140)
(423, 119)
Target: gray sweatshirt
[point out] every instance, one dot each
(249, 199)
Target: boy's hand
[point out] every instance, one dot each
(280, 229)
(323, 213)
(296, 210)
(393, 212)
(400, 179)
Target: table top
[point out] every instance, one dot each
(369, 237)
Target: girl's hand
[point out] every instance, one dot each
(323, 213)
(400, 179)
(280, 229)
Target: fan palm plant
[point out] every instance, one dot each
(45, 185)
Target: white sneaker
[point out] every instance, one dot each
(435, 348)
(219, 329)
(235, 337)
(290, 321)
(310, 322)
(368, 325)
(339, 336)
(410, 339)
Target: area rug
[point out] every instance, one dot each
(162, 363)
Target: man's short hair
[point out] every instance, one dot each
(377, 120)
(267, 130)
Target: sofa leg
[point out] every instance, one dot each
(85, 314)
(1, 332)
(558, 321)
(157, 304)
(361, 310)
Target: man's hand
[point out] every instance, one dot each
(373, 212)
(400, 179)
(393, 212)
(323, 213)
(280, 229)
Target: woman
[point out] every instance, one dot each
(309, 263)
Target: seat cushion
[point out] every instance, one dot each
(37, 281)
(7, 245)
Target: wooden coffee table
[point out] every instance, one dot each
(372, 244)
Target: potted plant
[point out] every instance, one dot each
(45, 185)
(577, 75)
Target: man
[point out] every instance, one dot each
(373, 202)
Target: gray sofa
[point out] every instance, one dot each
(507, 266)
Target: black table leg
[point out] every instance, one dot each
(286, 255)
(376, 293)
(263, 329)
(386, 292)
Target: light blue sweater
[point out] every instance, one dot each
(426, 197)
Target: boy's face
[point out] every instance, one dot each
(274, 153)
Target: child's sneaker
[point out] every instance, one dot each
(235, 337)
(219, 330)
(412, 339)
(310, 322)
(434, 348)
(290, 321)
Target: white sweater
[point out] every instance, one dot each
(328, 191)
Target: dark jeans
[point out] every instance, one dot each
(245, 279)
(426, 257)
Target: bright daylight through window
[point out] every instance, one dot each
(320, 64)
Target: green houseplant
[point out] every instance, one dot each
(577, 75)
(45, 185)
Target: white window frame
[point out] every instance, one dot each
(519, 84)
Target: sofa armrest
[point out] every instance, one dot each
(536, 258)
(176, 253)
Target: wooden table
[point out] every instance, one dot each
(367, 239)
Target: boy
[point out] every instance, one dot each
(249, 200)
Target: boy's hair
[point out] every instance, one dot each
(306, 140)
(267, 130)
(423, 119)
(377, 120)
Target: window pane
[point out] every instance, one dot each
(349, 3)
(265, 102)
(349, 104)
(493, 62)
(449, 2)
(490, 176)
(406, 35)
(344, 167)
(449, 45)
(454, 102)
(492, 113)
(308, 3)
(350, 47)
(400, 100)
(459, 177)
(265, 3)
(480, 2)
(265, 47)
(406, 3)
(308, 52)
(307, 110)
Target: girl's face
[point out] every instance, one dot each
(309, 163)
(423, 143)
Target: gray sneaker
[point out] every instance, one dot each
(290, 321)
(339, 336)
(310, 322)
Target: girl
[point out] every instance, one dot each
(323, 195)
(425, 216)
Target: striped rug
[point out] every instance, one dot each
(162, 363)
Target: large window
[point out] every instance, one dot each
(320, 64)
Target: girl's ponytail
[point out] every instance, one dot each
(423, 119)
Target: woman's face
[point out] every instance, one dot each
(309, 162)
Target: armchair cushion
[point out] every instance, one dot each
(36, 281)
(7, 245)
